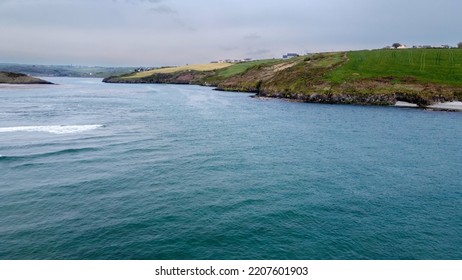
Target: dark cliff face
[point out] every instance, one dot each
(344, 98)
(364, 93)
(19, 78)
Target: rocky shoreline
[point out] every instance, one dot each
(379, 93)
(452, 106)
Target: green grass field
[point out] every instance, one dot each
(192, 67)
(441, 66)
(239, 68)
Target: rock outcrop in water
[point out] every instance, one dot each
(19, 78)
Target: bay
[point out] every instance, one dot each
(118, 171)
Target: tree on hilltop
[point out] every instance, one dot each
(396, 45)
(459, 45)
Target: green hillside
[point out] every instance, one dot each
(442, 66)
(380, 77)
(239, 68)
(65, 70)
(19, 78)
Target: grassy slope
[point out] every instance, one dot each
(207, 74)
(284, 77)
(239, 68)
(361, 77)
(440, 66)
(306, 74)
(168, 70)
(421, 76)
(64, 70)
(19, 78)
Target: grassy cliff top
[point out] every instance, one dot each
(421, 76)
(440, 66)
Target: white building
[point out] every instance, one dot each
(290, 55)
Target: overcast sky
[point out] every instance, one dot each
(174, 32)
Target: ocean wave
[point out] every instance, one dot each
(47, 154)
(54, 129)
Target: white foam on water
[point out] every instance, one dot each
(405, 104)
(54, 129)
(455, 105)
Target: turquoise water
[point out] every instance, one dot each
(102, 171)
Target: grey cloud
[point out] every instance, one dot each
(134, 2)
(258, 52)
(150, 1)
(229, 48)
(184, 31)
(183, 25)
(163, 9)
(252, 36)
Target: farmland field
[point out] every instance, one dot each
(192, 67)
(441, 66)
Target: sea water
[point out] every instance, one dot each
(111, 171)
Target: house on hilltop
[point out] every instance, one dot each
(290, 55)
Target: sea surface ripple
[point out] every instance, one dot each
(102, 171)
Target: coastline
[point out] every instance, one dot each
(435, 102)
(451, 106)
(329, 78)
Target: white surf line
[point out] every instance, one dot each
(455, 105)
(54, 129)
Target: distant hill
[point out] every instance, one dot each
(380, 77)
(65, 70)
(18, 78)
